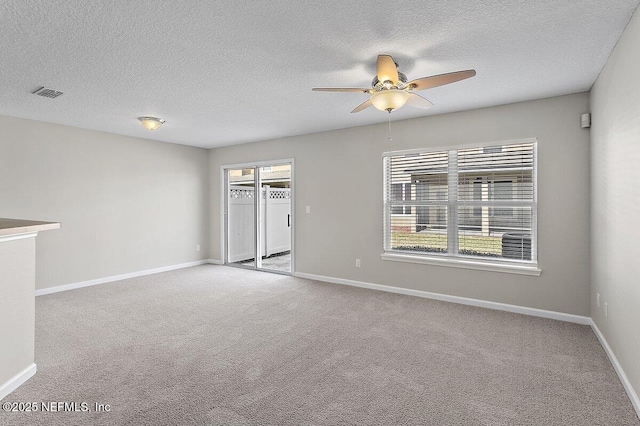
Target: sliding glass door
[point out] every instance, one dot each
(241, 217)
(259, 222)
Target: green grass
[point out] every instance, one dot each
(438, 241)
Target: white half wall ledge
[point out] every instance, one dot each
(633, 396)
(97, 281)
(560, 316)
(16, 381)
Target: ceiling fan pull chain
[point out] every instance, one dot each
(390, 125)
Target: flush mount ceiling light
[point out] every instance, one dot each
(151, 123)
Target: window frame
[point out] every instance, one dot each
(451, 258)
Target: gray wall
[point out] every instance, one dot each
(125, 204)
(615, 200)
(339, 174)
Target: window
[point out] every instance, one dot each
(471, 204)
(400, 192)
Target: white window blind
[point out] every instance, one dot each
(469, 203)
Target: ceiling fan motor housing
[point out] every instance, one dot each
(380, 85)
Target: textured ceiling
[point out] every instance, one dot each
(228, 72)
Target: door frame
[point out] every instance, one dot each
(224, 209)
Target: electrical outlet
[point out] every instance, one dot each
(198, 247)
(308, 209)
(357, 263)
(606, 310)
(598, 300)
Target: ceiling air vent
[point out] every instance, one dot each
(47, 93)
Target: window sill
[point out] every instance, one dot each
(532, 270)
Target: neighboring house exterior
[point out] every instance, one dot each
(484, 175)
(274, 176)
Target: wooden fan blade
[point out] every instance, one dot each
(386, 69)
(440, 80)
(341, 89)
(418, 101)
(366, 104)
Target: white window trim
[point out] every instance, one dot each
(458, 262)
(482, 264)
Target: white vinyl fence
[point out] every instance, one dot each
(275, 222)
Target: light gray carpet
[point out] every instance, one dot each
(220, 345)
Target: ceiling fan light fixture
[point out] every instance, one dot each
(389, 100)
(151, 123)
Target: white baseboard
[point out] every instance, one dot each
(72, 286)
(13, 383)
(454, 299)
(215, 262)
(633, 396)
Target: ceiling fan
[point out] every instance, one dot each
(390, 89)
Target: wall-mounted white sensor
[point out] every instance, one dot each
(585, 120)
